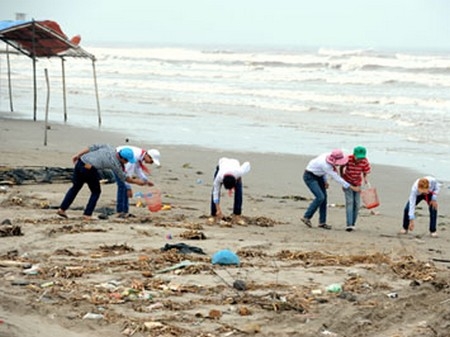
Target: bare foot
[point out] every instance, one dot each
(403, 231)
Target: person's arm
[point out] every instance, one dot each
(216, 195)
(412, 202)
(76, 157)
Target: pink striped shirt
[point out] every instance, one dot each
(354, 169)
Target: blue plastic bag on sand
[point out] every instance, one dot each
(225, 256)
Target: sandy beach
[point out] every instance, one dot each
(111, 278)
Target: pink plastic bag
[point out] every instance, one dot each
(369, 197)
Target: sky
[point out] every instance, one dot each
(378, 24)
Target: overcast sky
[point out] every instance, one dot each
(393, 24)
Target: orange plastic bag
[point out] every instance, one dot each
(153, 200)
(369, 197)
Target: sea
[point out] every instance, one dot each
(287, 100)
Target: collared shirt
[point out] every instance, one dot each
(228, 166)
(321, 168)
(433, 189)
(354, 170)
(103, 156)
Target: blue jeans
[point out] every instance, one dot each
(317, 186)
(433, 213)
(237, 206)
(352, 204)
(82, 175)
(122, 202)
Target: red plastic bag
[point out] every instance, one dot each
(369, 197)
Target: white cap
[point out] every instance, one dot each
(156, 156)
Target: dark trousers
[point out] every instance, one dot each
(82, 175)
(433, 212)
(237, 206)
(317, 187)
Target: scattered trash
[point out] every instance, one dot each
(169, 236)
(157, 305)
(334, 288)
(47, 284)
(316, 292)
(93, 316)
(34, 270)
(239, 285)
(20, 282)
(392, 295)
(225, 257)
(183, 248)
(182, 264)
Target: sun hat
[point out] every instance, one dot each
(156, 156)
(360, 152)
(127, 154)
(336, 157)
(423, 185)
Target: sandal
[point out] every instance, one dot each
(61, 213)
(324, 226)
(307, 222)
(403, 231)
(434, 235)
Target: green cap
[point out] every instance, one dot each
(359, 152)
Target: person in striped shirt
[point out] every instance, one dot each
(354, 172)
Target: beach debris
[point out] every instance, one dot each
(392, 295)
(8, 229)
(182, 264)
(239, 285)
(93, 316)
(225, 257)
(334, 288)
(33, 270)
(44, 175)
(193, 235)
(183, 248)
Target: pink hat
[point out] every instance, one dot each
(336, 157)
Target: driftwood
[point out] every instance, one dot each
(441, 260)
(11, 263)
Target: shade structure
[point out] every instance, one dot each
(37, 39)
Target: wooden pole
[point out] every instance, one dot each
(34, 73)
(96, 94)
(9, 79)
(63, 69)
(46, 106)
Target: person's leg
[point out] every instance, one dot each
(93, 181)
(312, 182)
(406, 217)
(237, 208)
(323, 205)
(433, 216)
(349, 206)
(357, 206)
(121, 195)
(213, 205)
(77, 184)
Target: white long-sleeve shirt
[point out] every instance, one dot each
(228, 166)
(321, 168)
(434, 189)
(136, 168)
